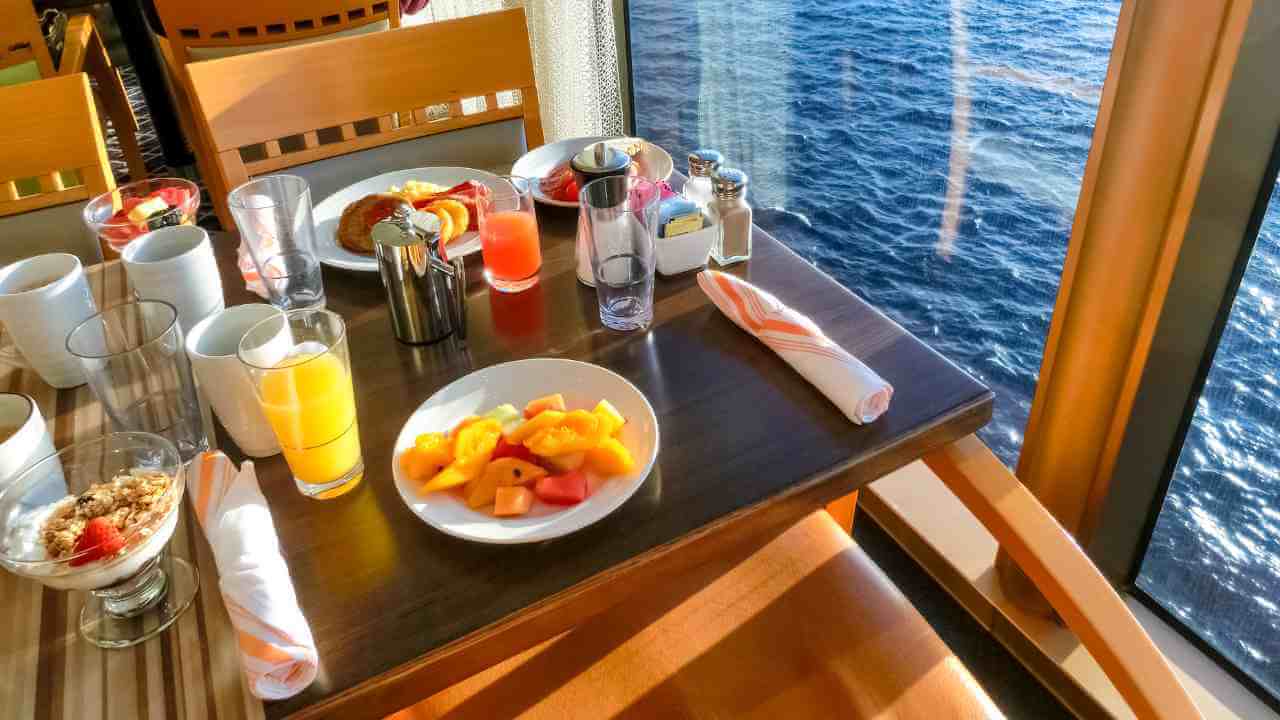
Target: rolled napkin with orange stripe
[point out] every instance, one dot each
(249, 271)
(277, 651)
(852, 386)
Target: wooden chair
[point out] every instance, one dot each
(24, 57)
(207, 31)
(804, 625)
(195, 32)
(412, 80)
(61, 140)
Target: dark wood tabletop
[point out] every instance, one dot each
(746, 442)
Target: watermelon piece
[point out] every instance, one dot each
(565, 489)
(174, 196)
(512, 450)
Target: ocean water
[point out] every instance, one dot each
(928, 154)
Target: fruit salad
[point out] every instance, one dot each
(139, 214)
(504, 461)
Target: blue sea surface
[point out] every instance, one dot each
(928, 154)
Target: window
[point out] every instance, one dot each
(927, 154)
(1212, 559)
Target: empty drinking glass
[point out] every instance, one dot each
(134, 359)
(622, 223)
(273, 214)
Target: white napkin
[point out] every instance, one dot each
(852, 386)
(277, 652)
(249, 271)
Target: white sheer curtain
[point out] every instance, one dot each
(575, 60)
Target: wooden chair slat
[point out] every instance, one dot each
(272, 148)
(344, 81)
(366, 142)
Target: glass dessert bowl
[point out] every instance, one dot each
(118, 216)
(96, 516)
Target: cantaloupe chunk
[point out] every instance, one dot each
(547, 402)
(514, 500)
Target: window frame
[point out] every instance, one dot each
(1218, 246)
(1115, 548)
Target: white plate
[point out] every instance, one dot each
(583, 385)
(329, 212)
(655, 163)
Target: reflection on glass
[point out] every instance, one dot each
(926, 153)
(1214, 557)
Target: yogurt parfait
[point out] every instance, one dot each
(97, 516)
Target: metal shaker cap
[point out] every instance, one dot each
(729, 183)
(703, 162)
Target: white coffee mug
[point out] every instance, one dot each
(176, 264)
(212, 345)
(41, 300)
(24, 437)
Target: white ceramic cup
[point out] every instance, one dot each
(30, 440)
(176, 264)
(42, 299)
(223, 382)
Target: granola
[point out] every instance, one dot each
(127, 501)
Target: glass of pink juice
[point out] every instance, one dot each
(509, 236)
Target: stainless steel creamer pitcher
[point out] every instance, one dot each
(426, 292)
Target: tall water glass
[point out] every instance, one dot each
(273, 214)
(622, 225)
(134, 359)
(301, 373)
(509, 236)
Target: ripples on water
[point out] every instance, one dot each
(1215, 542)
(843, 112)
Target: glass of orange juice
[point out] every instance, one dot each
(301, 372)
(509, 236)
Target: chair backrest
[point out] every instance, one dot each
(413, 80)
(21, 41)
(50, 137)
(205, 30)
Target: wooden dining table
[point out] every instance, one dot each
(400, 610)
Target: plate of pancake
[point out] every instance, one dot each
(345, 218)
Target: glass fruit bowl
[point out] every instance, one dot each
(96, 516)
(118, 216)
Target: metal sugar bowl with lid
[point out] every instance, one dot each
(595, 161)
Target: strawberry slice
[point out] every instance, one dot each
(99, 539)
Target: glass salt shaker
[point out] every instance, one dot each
(732, 216)
(702, 165)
